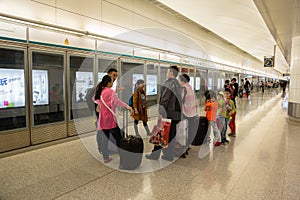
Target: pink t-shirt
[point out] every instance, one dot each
(106, 119)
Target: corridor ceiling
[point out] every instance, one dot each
(255, 26)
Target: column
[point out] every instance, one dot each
(294, 88)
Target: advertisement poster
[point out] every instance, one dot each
(192, 81)
(197, 83)
(219, 83)
(84, 81)
(40, 87)
(151, 85)
(210, 84)
(12, 88)
(151, 88)
(136, 77)
(100, 76)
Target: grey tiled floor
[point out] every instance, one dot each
(262, 162)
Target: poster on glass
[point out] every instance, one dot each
(151, 88)
(197, 83)
(40, 87)
(136, 77)
(210, 84)
(12, 88)
(100, 76)
(84, 81)
(192, 80)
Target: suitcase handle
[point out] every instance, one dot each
(125, 122)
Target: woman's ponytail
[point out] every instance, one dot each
(105, 80)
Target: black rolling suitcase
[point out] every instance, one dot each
(131, 149)
(201, 132)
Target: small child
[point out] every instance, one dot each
(230, 113)
(211, 108)
(222, 114)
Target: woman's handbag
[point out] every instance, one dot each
(160, 133)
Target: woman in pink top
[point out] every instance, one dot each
(107, 122)
(189, 108)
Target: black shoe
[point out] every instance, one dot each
(151, 157)
(183, 156)
(166, 158)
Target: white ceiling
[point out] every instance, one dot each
(248, 25)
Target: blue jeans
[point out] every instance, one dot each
(103, 137)
(221, 124)
(224, 130)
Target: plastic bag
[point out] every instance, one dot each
(160, 133)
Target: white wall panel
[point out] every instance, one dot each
(168, 57)
(76, 21)
(90, 8)
(113, 31)
(169, 20)
(28, 9)
(12, 31)
(115, 48)
(140, 22)
(116, 15)
(38, 35)
(146, 9)
(51, 37)
(146, 53)
(128, 4)
(48, 2)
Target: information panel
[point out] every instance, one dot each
(219, 83)
(197, 83)
(210, 84)
(40, 87)
(136, 77)
(151, 82)
(84, 81)
(12, 88)
(100, 76)
(192, 81)
(151, 85)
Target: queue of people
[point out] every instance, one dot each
(177, 102)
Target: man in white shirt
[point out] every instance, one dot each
(113, 73)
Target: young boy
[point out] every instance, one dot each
(221, 116)
(211, 108)
(230, 112)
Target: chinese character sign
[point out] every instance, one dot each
(12, 88)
